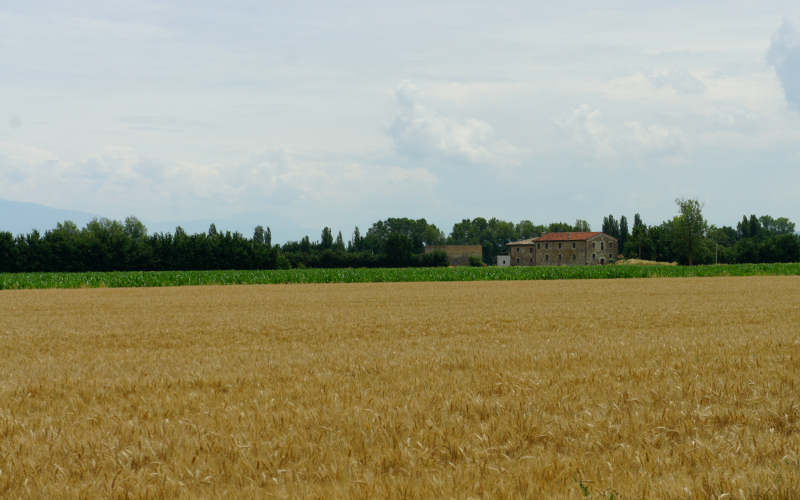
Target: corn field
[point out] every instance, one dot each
(378, 275)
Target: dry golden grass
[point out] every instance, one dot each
(657, 388)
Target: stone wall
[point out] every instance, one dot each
(458, 255)
(600, 249)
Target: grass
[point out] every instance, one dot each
(183, 278)
(679, 388)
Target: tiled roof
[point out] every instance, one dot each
(566, 236)
(529, 241)
(572, 236)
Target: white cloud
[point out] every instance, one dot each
(681, 81)
(597, 138)
(418, 131)
(784, 56)
(120, 177)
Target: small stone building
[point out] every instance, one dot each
(457, 255)
(503, 260)
(564, 249)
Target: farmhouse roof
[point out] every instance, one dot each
(567, 236)
(570, 236)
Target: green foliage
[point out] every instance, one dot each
(383, 236)
(364, 275)
(106, 245)
(689, 230)
(475, 261)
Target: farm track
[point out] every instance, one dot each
(645, 388)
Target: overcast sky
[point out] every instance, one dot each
(305, 114)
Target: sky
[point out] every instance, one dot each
(299, 115)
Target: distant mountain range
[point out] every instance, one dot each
(19, 217)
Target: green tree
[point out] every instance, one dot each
(259, 236)
(339, 245)
(744, 228)
(639, 242)
(327, 238)
(212, 230)
(623, 233)
(582, 226)
(611, 226)
(689, 229)
(355, 244)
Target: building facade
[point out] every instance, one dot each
(564, 249)
(457, 255)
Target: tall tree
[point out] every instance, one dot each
(611, 226)
(327, 238)
(638, 244)
(355, 244)
(582, 226)
(623, 233)
(268, 237)
(212, 230)
(258, 235)
(339, 245)
(755, 226)
(743, 228)
(689, 228)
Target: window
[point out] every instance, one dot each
(517, 260)
(530, 250)
(610, 256)
(531, 260)
(559, 245)
(602, 245)
(547, 245)
(547, 258)
(593, 245)
(593, 257)
(573, 244)
(610, 244)
(538, 245)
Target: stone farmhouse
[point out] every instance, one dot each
(564, 249)
(457, 255)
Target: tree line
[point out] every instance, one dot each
(108, 245)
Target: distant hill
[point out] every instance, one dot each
(21, 218)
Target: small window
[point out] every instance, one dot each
(610, 256)
(593, 257)
(531, 260)
(547, 258)
(593, 244)
(530, 250)
(547, 245)
(538, 245)
(559, 245)
(517, 260)
(610, 244)
(602, 245)
(573, 244)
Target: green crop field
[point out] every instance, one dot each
(254, 277)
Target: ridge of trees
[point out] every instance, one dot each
(106, 245)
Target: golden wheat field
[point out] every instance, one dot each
(656, 388)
